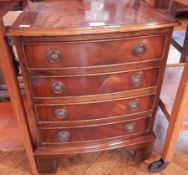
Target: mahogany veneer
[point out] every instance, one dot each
(93, 133)
(94, 52)
(77, 85)
(92, 76)
(93, 110)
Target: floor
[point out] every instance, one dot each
(115, 162)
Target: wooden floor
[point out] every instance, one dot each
(115, 162)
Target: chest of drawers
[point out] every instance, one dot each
(92, 72)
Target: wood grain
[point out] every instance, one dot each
(93, 52)
(79, 18)
(94, 65)
(90, 85)
(50, 135)
(93, 111)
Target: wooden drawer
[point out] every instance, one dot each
(100, 110)
(128, 128)
(89, 85)
(93, 53)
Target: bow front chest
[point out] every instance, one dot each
(92, 71)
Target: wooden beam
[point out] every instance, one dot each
(15, 96)
(176, 45)
(177, 117)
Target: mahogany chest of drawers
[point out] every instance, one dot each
(92, 72)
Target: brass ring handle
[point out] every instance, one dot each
(130, 127)
(63, 136)
(54, 56)
(58, 87)
(139, 50)
(61, 113)
(136, 80)
(133, 105)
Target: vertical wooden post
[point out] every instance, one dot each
(185, 47)
(15, 96)
(177, 116)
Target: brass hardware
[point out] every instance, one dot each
(61, 113)
(58, 87)
(54, 56)
(133, 105)
(130, 127)
(139, 50)
(63, 136)
(136, 80)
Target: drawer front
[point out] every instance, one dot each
(94, 110)
(93, 53)
(63, 135)
(90, 85)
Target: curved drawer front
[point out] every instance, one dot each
(63, 135)
(94, 110)
(90, 85)
(93, 53)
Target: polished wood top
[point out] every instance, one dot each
(70, 17)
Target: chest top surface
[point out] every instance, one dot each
(70, 17)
